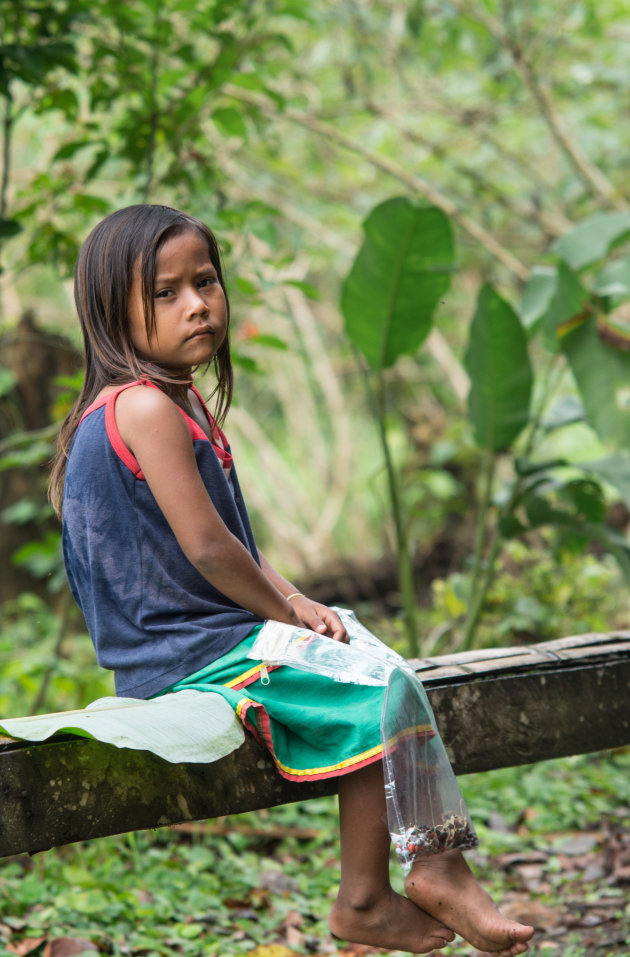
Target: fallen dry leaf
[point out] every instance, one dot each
(295, 937)
(478, 953)
(531, 875)
(522, 857)
(533, 912)
(293, 918)
(578, 844)
(236, 903)
(277, 881)
(67, 947)
(25, 946)
(144, 897)
(272, 950)
(617, 852)
(358, 950)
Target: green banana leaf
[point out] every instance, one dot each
(402, 269)
(500, 373)
(187, 726)
(592, 239)
(602, 373)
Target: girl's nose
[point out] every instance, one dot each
(195, 303)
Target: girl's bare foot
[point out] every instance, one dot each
(446, 888)
(388, 921)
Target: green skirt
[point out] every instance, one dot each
(317, 727)
(314, 727)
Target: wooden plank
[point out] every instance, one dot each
(75, 789)
(519, 718)
(492, 661)
(597, 641)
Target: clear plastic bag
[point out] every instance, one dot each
(365, 661)
(426, 812)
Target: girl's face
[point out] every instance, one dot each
(189, 302)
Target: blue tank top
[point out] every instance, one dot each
(153, 618)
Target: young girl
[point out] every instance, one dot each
(162, 561)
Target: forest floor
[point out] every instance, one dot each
(576, 893)
(555, 852)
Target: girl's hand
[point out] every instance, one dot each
(319, 618)
(312, 614)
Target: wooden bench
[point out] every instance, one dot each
(495, 708)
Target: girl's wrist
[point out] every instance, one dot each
(295, 594)
(294, 618)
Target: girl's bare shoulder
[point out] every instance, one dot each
(141, 410)
(127, 392)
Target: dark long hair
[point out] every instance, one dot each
(129, 238)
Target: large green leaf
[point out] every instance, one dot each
(537, 295)
(229, 121)
(614, 280)
(592, 239)
(500, 372)
(602, 373)
(397, 279)
(569, 303)
(9, 227)
(566, 410)
(615, 543)
(614, 469)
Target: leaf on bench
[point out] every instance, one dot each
(186, 727)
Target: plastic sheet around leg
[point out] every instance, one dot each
(426, 812)
(425, 809)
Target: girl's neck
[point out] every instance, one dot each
(174, 382)
(176, 385)
(177, 391)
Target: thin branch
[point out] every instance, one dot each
(340, 459)
(289, 538)
(456, 375)
(27, 437)
(592, 177)
(154, 113)
(477, 592)
(63, 616)
(480, 119)
(432, 88)
(403, 557)
(7, 124)
(414, 183)
(554, 224)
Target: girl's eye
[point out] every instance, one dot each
(163, 293)
(208, 281)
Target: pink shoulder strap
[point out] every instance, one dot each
(219, 441)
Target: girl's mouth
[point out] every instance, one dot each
(202, 331)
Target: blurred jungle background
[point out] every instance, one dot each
(425, 218)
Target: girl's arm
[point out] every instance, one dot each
(154, 430)
(316, 616)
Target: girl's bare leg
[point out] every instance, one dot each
(445, 887)
(367, 910)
